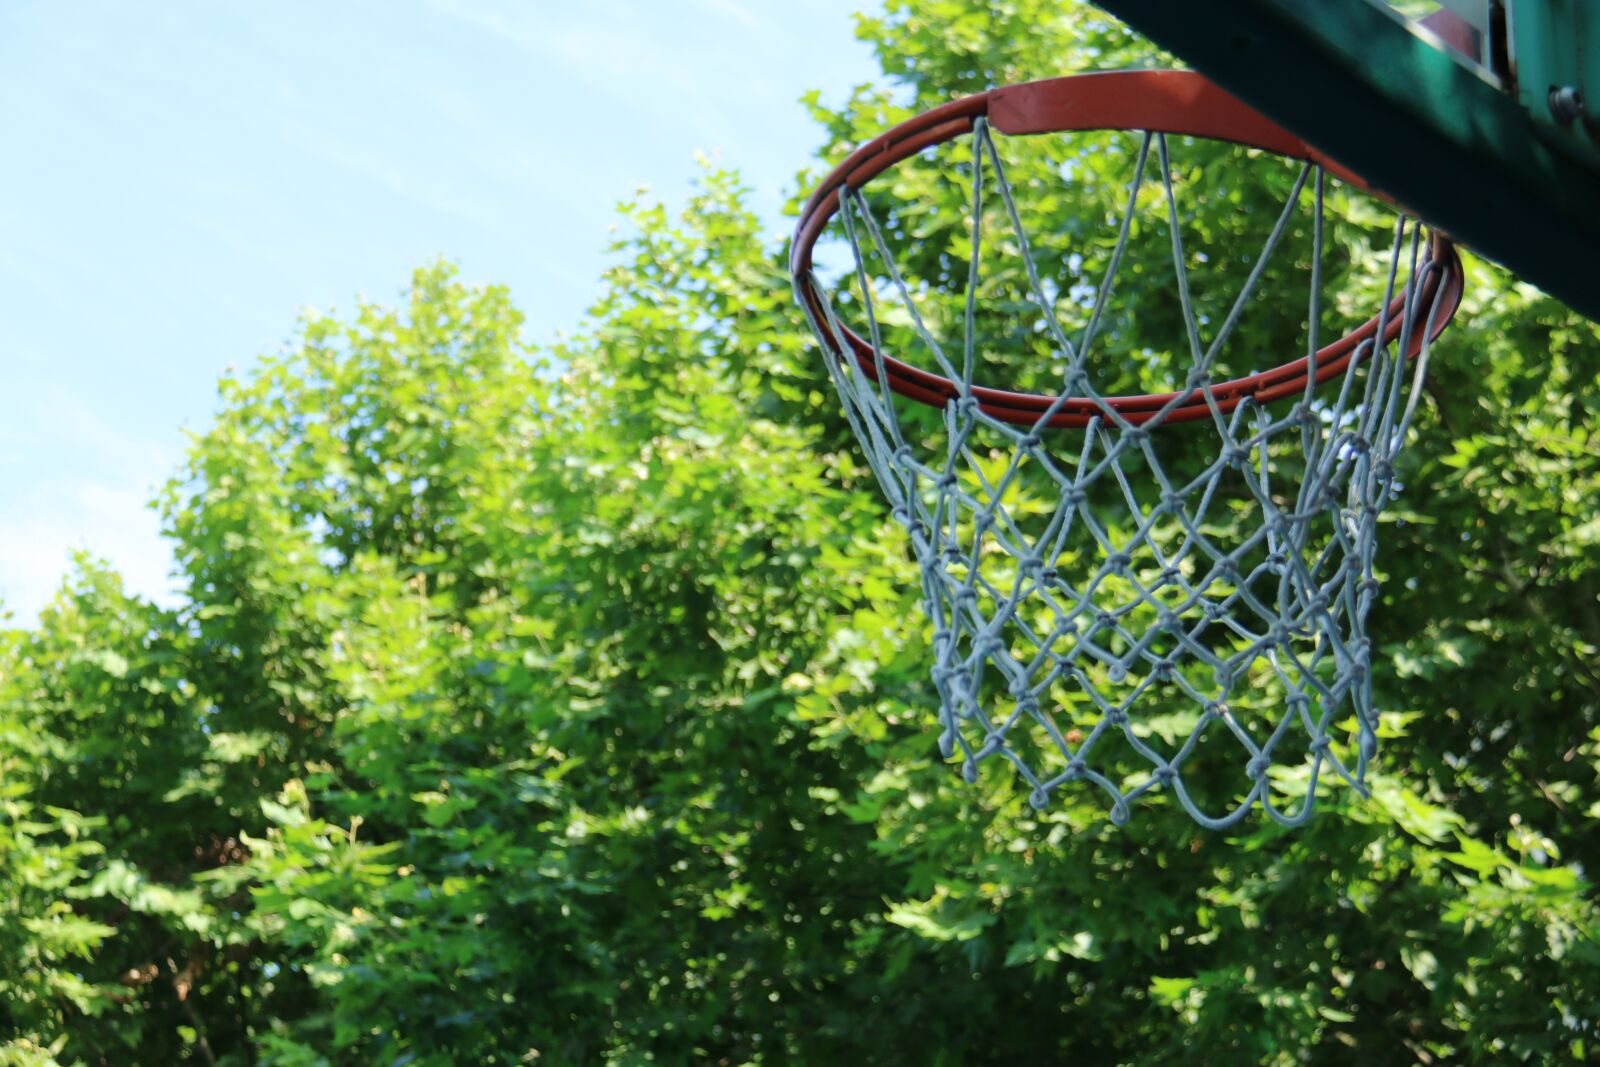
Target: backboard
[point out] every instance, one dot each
(1481, 116)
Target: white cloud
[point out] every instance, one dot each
(601, 44)
(107, 521)
(734, 10)
(94, 500)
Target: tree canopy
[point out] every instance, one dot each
(571, 705)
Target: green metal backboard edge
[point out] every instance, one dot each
(1431, 130)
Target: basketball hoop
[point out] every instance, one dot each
(1080, 585)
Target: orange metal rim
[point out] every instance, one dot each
(1170, 101)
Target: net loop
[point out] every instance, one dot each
(1103, 616)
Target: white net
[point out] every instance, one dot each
(1123, 592)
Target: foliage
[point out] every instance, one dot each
(571, 706)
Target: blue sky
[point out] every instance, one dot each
(181, 179)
